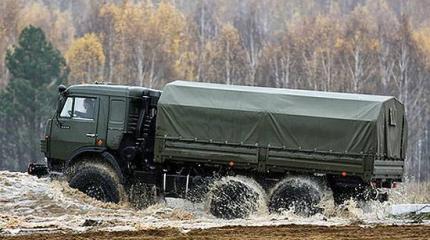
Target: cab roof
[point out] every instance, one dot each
(112, 90)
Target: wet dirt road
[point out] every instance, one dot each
(267, 232)
(33, 208)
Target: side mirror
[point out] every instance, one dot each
(61, 98)
(59, 105)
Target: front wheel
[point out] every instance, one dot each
(97, 181)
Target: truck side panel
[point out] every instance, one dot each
(261, 159)
(212, 153)
(316, 162)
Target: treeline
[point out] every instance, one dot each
(375, 46)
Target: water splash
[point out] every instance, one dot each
(258, 205)
(29, 204)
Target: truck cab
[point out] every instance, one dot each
(114, 122)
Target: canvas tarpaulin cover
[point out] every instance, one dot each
(294, 119)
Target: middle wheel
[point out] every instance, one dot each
(231, 198)
(141, 195)
(296, 194)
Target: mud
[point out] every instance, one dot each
(39, 208)
(291, 232)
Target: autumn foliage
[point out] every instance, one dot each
(86, 59)
(365, 46)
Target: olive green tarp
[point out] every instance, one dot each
(294, 119)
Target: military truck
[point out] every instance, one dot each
(192, 139)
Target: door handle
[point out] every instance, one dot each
(91, 135)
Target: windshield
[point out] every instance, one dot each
(79, 108)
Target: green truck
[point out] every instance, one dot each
(192, 139)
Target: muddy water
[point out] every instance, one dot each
(29, 204)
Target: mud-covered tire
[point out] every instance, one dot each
(141, 195)
(232, 199)
(294, 194)
(97, 182)
(199, 188)
(361, 193)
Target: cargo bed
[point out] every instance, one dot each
(280, 130)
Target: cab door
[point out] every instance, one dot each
(76, 126)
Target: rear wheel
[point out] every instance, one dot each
(297, 195)
(230, 198)
(97, 181)
(360, 193)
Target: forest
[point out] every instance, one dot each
(360, 46)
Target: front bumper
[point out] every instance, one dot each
(38, 170)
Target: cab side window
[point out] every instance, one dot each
(79, 108)
(84, 108)
(117, 111)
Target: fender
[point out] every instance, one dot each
(111, 159)
(101, 151)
